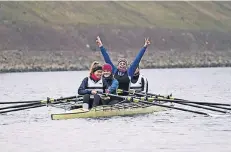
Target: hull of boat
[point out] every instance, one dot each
(108, 111)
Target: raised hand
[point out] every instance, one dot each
(146, 42)
(99, 42)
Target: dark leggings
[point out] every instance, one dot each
(113, 100)
(96, 101)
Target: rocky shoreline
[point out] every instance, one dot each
(182, 34)
(80, 69)
(75, 48)
(19, 61)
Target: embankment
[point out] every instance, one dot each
(47, 36)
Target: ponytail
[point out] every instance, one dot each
(94, 64)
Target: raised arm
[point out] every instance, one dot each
(106, 56)
(139, 56)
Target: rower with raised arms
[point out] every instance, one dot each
(122, 72)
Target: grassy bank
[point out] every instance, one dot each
(46, 36)
(182, 15)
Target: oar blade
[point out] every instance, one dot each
(34, 104)
(19, 106)
(22, 108)
(18, 102)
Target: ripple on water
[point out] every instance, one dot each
(168, 131)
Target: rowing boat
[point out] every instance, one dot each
(135, 104)
(122, 109)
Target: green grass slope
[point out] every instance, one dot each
(41, 36)
(182, 15)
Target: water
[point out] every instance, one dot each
(171, 131)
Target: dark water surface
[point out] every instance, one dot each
(170, 131)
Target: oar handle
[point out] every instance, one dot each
(66, 98)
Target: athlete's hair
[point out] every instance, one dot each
(93, 65)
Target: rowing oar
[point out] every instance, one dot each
(139, 93)
(177, 108)
(188, 101)
(49, 100)
(134, 99)
(183, 103)
(199, 106)
(19, 106)
(168, 98)
(33, 101)
(225, 108)
(22, 108)
(36, 104)
(17, 102)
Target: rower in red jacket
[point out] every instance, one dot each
(91, 86)
(122, 72)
